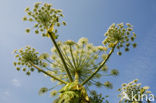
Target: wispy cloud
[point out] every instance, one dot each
(16, 82)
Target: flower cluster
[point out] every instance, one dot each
(27, 57)
(98, 98)
(133, 89)
(108, 84)
(43, 90)
(124, 37)
(44, 17)
(80, 57)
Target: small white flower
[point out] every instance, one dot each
(53, 49)
(139, 84)
(148, 92)
(89, 46)
(83, 40)
(146, 87)
(70, 42)
(102, 48)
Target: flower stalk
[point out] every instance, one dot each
(102, 64)
(71, 52)
(61, 56)
(41, 70)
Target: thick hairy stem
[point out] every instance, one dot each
(48, 74)
(76, 77)
(102, 64)
(61, 56)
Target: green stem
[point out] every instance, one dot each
(67, 58)
(41, 70)
(61, 56)
(80, 60)
(71, 52)
(76, 77)
(102, 64)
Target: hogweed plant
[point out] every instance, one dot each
(74, 66)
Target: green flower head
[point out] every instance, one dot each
(26, 57)
(120, 36)
(44, 17)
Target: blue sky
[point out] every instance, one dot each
(85, 18)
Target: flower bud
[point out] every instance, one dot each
(17, 68)
(114, 72)
(24, 18)
(134, 45)
(27, 30)
(24, 69)
(119, 53)
(36, 32)
(126, 49)
(28, 73)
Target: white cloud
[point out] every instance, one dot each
(16, 82)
